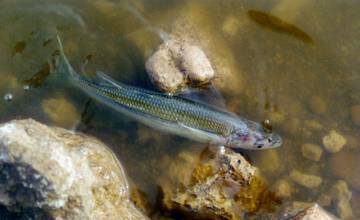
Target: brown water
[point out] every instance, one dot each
(307, 89)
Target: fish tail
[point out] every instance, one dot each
(62, 64)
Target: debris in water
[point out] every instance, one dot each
(276, 24)
(26, 87)
(8, 97)
(39, 77)
(19, 47)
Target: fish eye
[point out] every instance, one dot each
(259, 146)
(269, 140)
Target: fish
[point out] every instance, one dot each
(276, 24)
(188, 118)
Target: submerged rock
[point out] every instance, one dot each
(355, 114)
(306, 211)
(311, 151)
(334, 142)
(60, 111)
(176, 63)
(58, 174)
(307, 180)
(222, 186)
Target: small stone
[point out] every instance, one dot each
(342, 196)
(311, 151)
(317, 104)
(346, 165)
(163, 71)
(283, 188)
(231, 25)
(307, 180)
(334, 142)
(60, 111)
(8, 97)
(355, 114)
(313, 125)
(195, 64)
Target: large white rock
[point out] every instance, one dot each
(52, 172)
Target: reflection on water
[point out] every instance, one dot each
(309, 91)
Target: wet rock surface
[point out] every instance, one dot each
(222, 186)
(304, 179)
(334, 142)
(52, 173)
(306, 211)
(178, 62)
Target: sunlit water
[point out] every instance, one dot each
(306, 89)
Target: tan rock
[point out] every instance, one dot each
(222, 185)
(306, 211)
(311, 151)
(355, 114)
(60, 173)
(307, 180)
(60, 111)
(283, 188)
(342, 196)
(163, 71)
(334, 142)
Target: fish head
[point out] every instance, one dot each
(254, 137)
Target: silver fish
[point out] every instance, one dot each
(184, 117)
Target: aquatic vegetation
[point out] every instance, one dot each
(276, 24)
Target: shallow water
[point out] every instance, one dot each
(305, 89)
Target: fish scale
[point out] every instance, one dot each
(165, 107)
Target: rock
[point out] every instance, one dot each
(341, 197)
(195, 64)
(306, 211)
(355, 114)
(346, 166)
(311, 151)
(60, 174)
(317, 105)
(231, 25)
(313, 125)
(163, 71)
(334, 142)
(60, 111)
(307, 180)
(177, 61)
(221, 186)
(283, 188)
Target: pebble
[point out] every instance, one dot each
(307, 180)
(355, 114)
(283, 188)
(311, 151)
(317, 104)
(60, 111)
(231, 25)
(163, 71)
(333, 142)
(342, 196)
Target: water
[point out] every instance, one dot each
(305, 89)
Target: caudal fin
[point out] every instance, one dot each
(62, 64)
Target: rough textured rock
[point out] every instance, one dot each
(54, 173)
(311, 151)
(334, 142)
(222, 186)
(306, 211)
(177, 62)
(307, 180)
